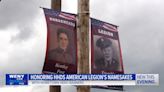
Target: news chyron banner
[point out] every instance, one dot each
(83, 79)
(106, 55)
(61, 51)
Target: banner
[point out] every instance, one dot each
(61, 52)
(83, 79)
(106, 55)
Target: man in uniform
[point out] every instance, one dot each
(107, 62)
(60, 53)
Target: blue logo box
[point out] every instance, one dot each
(16, 79)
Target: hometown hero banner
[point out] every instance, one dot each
(61, 52)
(106, 55)
(106, 52)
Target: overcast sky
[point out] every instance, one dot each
(23, 37)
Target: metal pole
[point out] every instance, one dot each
(83, 38)
(55, 4)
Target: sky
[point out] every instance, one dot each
(23, 38)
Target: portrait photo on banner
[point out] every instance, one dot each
(62, 46)
(106, 54)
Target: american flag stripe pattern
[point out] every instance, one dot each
(64, 15)
(103, 24)
(67, 16)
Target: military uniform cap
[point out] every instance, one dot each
(103, 43)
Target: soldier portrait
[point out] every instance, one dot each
(61, 52)
(106, 57)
